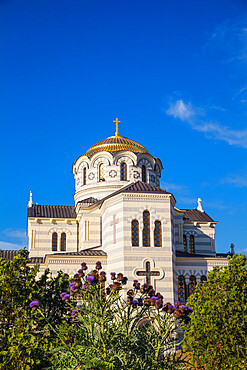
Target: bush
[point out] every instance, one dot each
(217, 333)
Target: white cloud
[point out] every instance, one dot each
(13, 239)
(238, 180)
(173, 187)
(212, 130)
(10, 246)
(181, 110)
(12, 233)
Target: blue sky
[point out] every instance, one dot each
(174, 72)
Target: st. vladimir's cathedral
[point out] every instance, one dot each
(123, 218)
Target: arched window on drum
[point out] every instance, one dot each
(192, 244)
(146, 229)
(192, 284)
(63, 242)
(135, 233)
(144, 173)
(181, 288)
(157, 234)
(102, 172)
(54, 242)
(84, 176)
(123, 171)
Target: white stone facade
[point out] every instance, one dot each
(113, 188)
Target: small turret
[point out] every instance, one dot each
(30, 203)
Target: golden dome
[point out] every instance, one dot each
(115, 144)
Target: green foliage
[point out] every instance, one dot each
(107, 333)
(217, 333)
(26, 340)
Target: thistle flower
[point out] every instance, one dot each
(140, 302)
(74, 313)
(98, 265)
(147, 302)
(152, 300)
(66, 297)
(90, 279)
(158, 304)
(165, 307)
(116, 285)
(130, 292)
(171, 308)
(119, 276)
(124, 280)
(81, 273)
(84, 266)
(129, 299)
(62, 295)
(34, 304)
(134, 304)
(77, 283)
(113, 275)
(108, 290)
(71, 286)
(177, 314)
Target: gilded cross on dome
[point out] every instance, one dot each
(117, 122)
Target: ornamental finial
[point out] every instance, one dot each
(30, 203)
(117, 122)
(199, 206)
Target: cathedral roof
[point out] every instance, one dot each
(8, 254)
(51, 211)
(137, 187)
(116, 143)
(195, 215)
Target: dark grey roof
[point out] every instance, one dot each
(195, 215)
(90, 200)
(51, 211)
(87, 252)
(136, 187)
(8, 254)
(194, 255)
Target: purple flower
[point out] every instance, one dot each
(189, 310)
(34, 303)
(71, 286)
(98, 265)
(62, 295)
(140, 302)
(66, 297)
(171, 308)
(81, 273)
(90, 279)
(124, 280)
(134, 303)
(84, 266)
(158, 304)
(74, 313)
(113, 275)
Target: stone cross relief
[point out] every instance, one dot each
(147, 273)
(113, 223)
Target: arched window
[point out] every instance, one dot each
(181, 288)
(54, 241)
(185, 243)
(192, 244)
(63, 242)
(144, 173)
(192, 284)
(102, 172)
(135, 233)
(84, 176)
(123, 171)
(203, 278)
(146, 229)
(157, 234)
